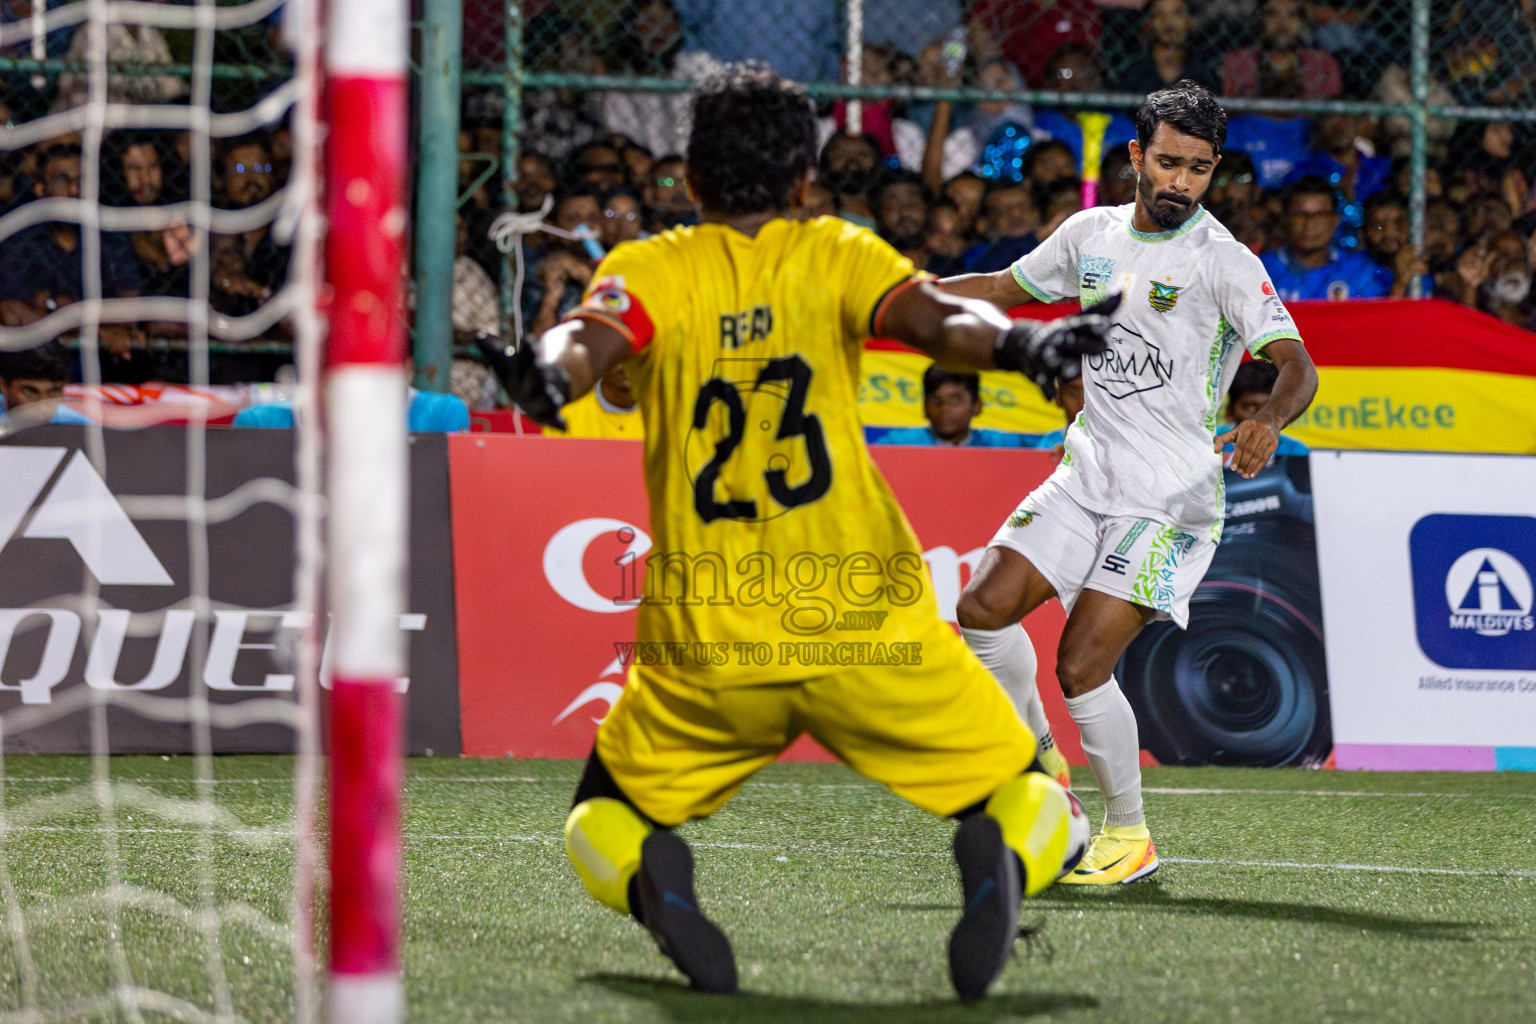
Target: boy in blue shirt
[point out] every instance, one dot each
(950, 402)
(1308, 266)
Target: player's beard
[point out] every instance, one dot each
(1165, 208)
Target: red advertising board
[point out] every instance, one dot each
(541, 527)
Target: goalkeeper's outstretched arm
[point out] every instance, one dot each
(967, 333)
(998, 288)
(560, 366)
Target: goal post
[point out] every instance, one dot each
(365, 195)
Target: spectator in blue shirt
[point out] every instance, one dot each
(950, 402)
(32, 384)
(1274, 144)
(1309, 266)
(1249, 393)
(427, 412)
(1336, 156)
(797, 39)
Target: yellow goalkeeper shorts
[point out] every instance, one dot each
(941, 734)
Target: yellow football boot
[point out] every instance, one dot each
(1118, 856)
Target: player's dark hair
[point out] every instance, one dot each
(1256, 376)
(935, 378)
(50, 361)
(1310, 185)
(753, 139)
(1188, 108)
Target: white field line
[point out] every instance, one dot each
(513, 838)
(1365, 868)
(1203, 862)
(527, 779)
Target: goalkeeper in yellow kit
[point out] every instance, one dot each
(785, 592)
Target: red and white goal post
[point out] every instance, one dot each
(366, 170)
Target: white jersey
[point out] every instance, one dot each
(1193, 297)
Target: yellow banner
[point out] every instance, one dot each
(1376, 407)
(1432, 409)
(891, 395)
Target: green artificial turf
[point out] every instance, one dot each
(1270, 906)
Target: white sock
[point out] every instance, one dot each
(1108, 727)
(1010, 657)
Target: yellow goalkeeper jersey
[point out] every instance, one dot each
(778, 552)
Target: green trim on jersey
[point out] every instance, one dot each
(1222, 344)
(1257, 344)
(1163, 236)
(1153, 586)
(1027, 285)
(1066, 439)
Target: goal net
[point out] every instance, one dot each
(177, 204)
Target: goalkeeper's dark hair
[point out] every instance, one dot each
(50, 361)
(754, 138)
(935, 378)
(1187, 107)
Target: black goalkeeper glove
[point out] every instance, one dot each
(1048, 352)
(539, 389)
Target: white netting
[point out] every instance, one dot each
(132, 893)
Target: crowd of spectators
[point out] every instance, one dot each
(957, 187)
(973, 187)
(42, 266)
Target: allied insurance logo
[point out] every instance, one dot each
(1472, 590)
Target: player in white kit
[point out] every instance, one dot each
(1125, 528)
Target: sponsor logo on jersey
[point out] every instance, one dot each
(1130, 365)
(1473, 592)
(1093, 275)
(1268, 288)
(1022, 517)
(1163, 296)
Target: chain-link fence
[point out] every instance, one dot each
(967, 130)
(143, 161)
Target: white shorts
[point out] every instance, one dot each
(1138, 560)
